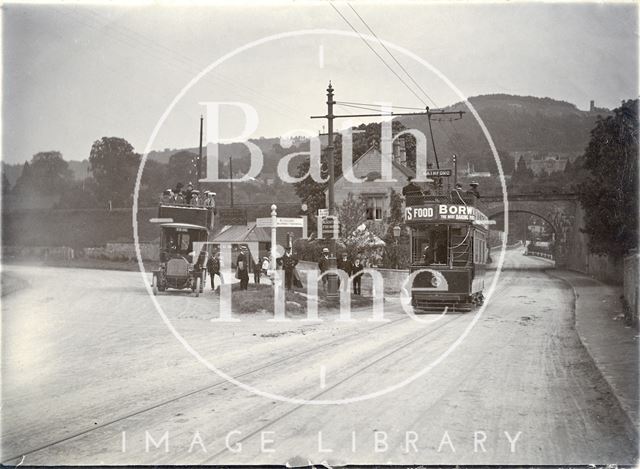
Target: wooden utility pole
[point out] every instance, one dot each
(230, 181)
(199, 169)
(330, 117)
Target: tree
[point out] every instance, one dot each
(351, 214)
(154, 181)
(183, 167)
(523, 177)
(80, 194)
(396, 253)
(114, 165)
(609, 193)
(6, 185)
(47, 174)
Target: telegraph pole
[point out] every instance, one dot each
(330, 117)
(230, 180)
(200, 156)
(332, 279)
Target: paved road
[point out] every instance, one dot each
(91, 375)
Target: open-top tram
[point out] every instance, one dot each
(448, 249)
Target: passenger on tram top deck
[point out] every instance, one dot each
(195, 197)
(411, 192)
(474, 189)
(167, 197)
(188, 193)
(411, 188)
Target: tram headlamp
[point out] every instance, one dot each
(435, 281)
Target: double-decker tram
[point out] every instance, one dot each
(449, 248)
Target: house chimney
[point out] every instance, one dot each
(592, 105)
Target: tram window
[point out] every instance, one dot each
(437, 239)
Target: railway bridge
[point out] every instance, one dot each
(560, 211)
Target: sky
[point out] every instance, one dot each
(73, 73)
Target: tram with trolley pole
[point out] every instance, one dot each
(449, 250)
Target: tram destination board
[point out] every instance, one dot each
(438, 172)
(441, 212)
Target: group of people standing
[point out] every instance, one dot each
(188, 196)
(345, 264)
(287, 263)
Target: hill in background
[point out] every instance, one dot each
(517, 124)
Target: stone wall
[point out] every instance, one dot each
(124, 251)
(631, 285)
(603, 268)
(37, 252)
(393, 279)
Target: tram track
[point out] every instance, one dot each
(338, 383)
(258, 369)
(403, 346)
(202, 389)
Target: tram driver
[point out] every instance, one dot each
(427, 254)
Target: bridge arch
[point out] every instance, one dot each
(558, 210)
(530, 212)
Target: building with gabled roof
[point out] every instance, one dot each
(375, 192)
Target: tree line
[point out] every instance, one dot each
(605, 177)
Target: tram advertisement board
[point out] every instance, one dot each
(434, 212)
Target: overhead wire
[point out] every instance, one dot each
(379, 105)
(392, 56)
(429, 119)
(377, 54)
(450, 138)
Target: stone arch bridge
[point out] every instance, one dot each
(561, 211)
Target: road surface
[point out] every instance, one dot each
(92, 375)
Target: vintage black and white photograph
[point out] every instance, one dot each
(319, 233)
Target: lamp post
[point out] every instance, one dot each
(305, 220)
(396, 235)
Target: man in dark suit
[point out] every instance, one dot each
(288, 263)
(242, 269)
(345, 264)
(213, 266)
(323, 265)
(357, 279)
